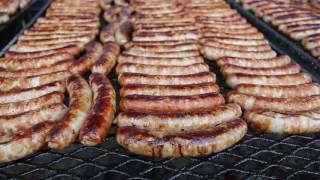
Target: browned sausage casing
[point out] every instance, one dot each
(80, 102)
(255, 63)
(16, 123)
(28, 63)
(73, 50)
(82, 65)
(160, 61)
(171, 103)
(29, 105)
(134, 78)
(98, 123)
(162, 70)
(31, 93)
(292, 68)
(302, 90)
(173, 90)
(194, 143)
(26, 143)
(124, 32)
(174, 122)
(12, 84)
(60, 66)
(275, 104)
(282, 80)
(284, 123)
(107, 60)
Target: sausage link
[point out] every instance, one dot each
(171, 103)
(133, 78)
(80, 103)
(275, 104)
(26, 143)
(193, 143)
(96, 127)
(284, 123)
(175, 122)
(82, 65)
(107, 60)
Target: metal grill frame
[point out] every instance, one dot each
(18, 21)
(257, 156)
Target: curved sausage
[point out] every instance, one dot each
(124, 32)
(236, 25)
(275, 104)
(173, 54)
(284, 123)
(163, 48)
(73, 50)
(50, 37)
(82, 65)
(16, 123)
(64, 31)
(292, 68)
(55, 41)
(26, 143)
(98, 123)
(80, 103)
(239, 42)
(12, 84)
(31, 93)
(134, 78)
(194, 143)
(173, 90)
(171, 103)
(282, 80)
(162, 70)
(37, 48)
(235, 35)
(29, 105)
(28, 63)
(157, 44)
(218, 29)
(302, 90)
(166, 29)
(175, 122)
(60, 66)
(168, 24)
(214, 53)
(255, 63)
(160, 61)
(255, 48)
(167, 36)
(107, 60)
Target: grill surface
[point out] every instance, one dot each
(257, 156)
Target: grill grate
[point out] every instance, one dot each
(256, 156)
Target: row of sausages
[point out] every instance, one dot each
(48, 61)
(171, 105)
(299, 20)
(276, 95)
